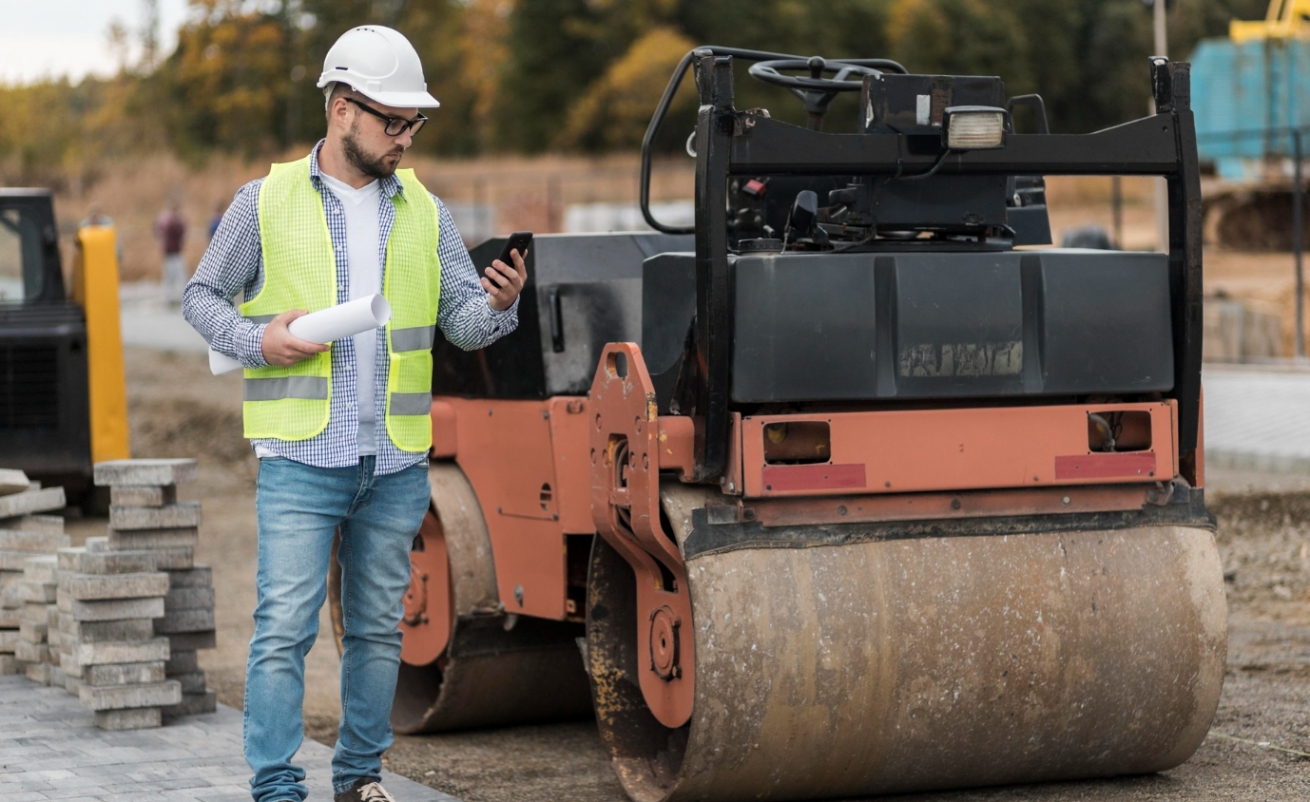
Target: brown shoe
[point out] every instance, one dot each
(368, 789)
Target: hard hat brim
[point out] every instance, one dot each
(402, 100)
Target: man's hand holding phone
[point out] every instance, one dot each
(505, 278)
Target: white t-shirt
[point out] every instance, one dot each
(363, 230)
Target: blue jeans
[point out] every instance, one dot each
(299, 507)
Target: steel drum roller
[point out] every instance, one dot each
(918, 664)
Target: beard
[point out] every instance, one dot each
(369, 165)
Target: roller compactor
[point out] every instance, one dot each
(838, 492)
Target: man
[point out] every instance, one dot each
(342, 432)
(170, 228)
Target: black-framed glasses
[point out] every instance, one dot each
(395, 125)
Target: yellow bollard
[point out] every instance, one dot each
(95, 288)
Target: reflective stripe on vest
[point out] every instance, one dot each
(411, 403)
(311, 387)
(300, 273)
(419, 338)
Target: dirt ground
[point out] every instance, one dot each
(1259, 747)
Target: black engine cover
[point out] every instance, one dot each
(848, 327)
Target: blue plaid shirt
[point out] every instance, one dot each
(234, 262)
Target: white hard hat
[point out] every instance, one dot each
(379, 63)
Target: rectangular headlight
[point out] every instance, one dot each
(973, 127)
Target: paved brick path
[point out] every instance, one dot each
(50, 749)
(1257, 418)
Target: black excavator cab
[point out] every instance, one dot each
(44, 403)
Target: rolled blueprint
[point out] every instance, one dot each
(324, 326)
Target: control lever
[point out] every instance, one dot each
(802, 222)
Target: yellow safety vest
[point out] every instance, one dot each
(300, 273)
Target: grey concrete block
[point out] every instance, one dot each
(124, 674)
(12, 596)
(177, 621)
(9, 665)
(101, 631)
(181, 662)
(38, 672)
(37, 592)
(193, 682)
(13, 481)
(118, 697)
(40, 568)
(30, 632)
(189, 599)
(97, 544)
(9, 641)
(111, 610)
(32, 652)
(174, 559)
(142, 496)
(13, 560)
(145, 472)
(46, 524)
(133, 539)
(139, 718)
(72, 684)
(93, 654)
(32, 501)
(201, 576)
(181, 515)
(92, 587)
(69, 665)
(81, 561)
(35, 542)
(190, 641)
(193, 704)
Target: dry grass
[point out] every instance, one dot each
(532, 193)
(527, 193)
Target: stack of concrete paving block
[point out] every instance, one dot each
(109, 654)
(189, 624)
(23, 534)
(33, 648)
(145, 515)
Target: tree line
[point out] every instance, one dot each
(528, 76)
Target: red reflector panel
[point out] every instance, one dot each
(1105, 466)
(813, 477)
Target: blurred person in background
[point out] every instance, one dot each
(170, 228)
(95, 216)
(342, 432)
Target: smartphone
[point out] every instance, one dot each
(518, 241)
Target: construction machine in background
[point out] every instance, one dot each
(840, 491)
(1253, 127)
(63, 400)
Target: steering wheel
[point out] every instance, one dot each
(814, 90)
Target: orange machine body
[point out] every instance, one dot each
(531, 467)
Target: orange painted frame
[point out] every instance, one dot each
(506, 450)
(907, 451)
